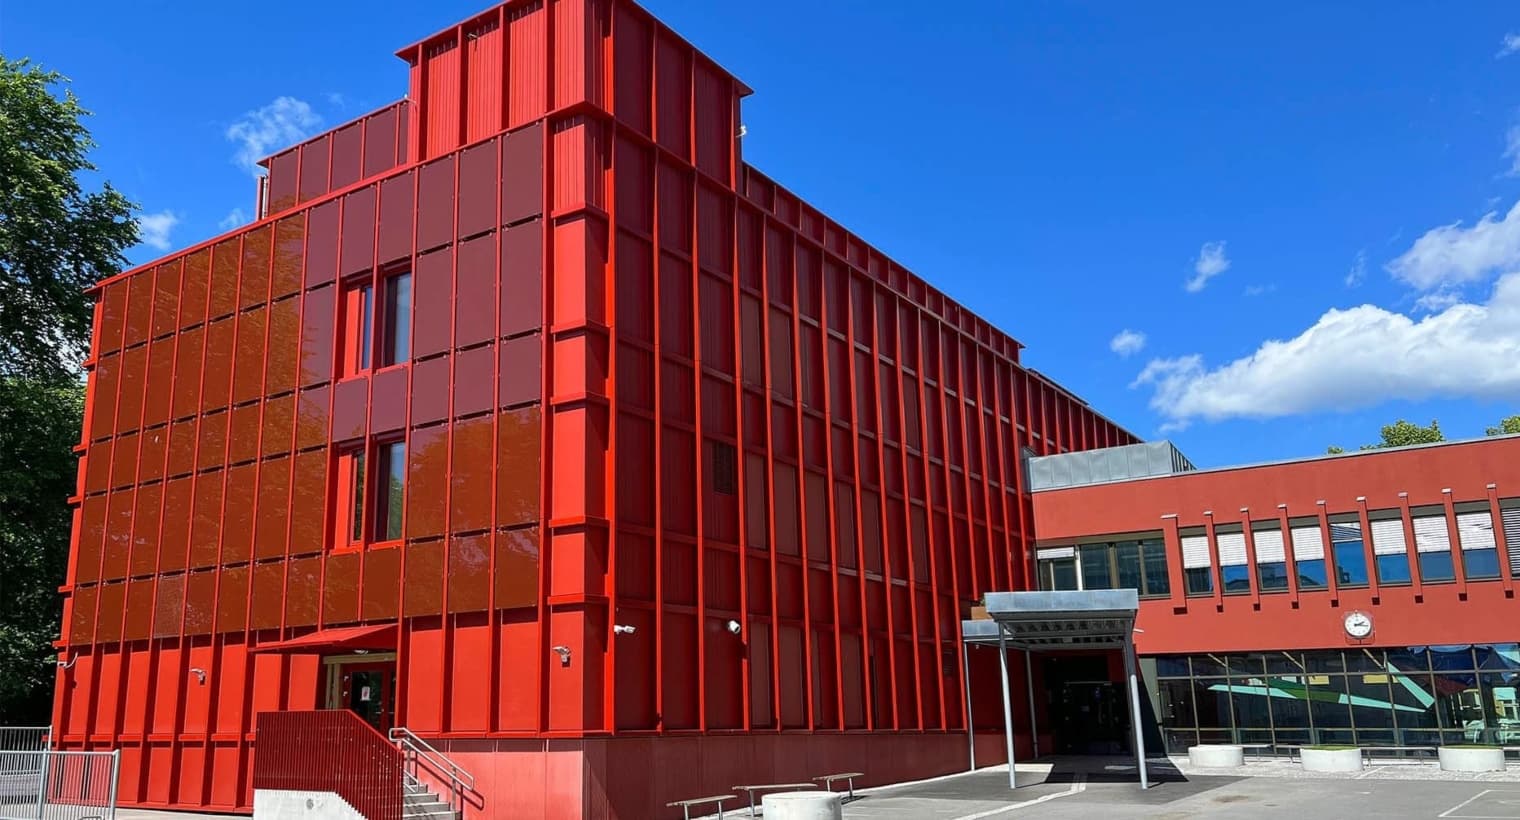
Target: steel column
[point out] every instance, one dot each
(1007, 703)
(1034, 726)
(970, 727)
(1134, 704)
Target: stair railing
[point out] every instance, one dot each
(417, 754)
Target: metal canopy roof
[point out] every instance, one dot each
(1056, 620)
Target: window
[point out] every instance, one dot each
(397, 347)
(1350, 555)
(1389, 549)
(358, 328)
(1134, 564)
(1271, 559)
(1475, 532)
(350, 498)
(1433, 544)
(1309, 554)
(1196, 564)
(1233, 572)
(725, 469)
(391, 489)
(370, 494)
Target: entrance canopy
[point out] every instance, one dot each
(1045, 621)
(1055, 621)
(379, 638)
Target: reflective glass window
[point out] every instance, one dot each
(1311, 574)
(1436, 566)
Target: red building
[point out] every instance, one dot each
(1363, 599)
(530, 418)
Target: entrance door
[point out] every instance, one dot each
(1089, 712)
(366, 688)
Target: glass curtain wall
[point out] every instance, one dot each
(1398, 696)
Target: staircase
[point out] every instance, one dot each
(421, 803)
(422, 767)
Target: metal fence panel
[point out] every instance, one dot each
(24, 738)
(49, 785)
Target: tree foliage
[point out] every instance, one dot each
(1401, 434)
(56, 239)
(1507, 426)
(38, 420)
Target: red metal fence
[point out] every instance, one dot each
(332, 751)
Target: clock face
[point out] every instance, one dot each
(1358, 624)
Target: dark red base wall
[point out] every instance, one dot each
(633, 778)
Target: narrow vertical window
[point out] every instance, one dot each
(349, 507)
(398, 319)
(390, 472)
(358, 328)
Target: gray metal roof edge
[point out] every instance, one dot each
(1281, 462)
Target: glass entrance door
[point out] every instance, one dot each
(366, 688)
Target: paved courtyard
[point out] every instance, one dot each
(1085, 788)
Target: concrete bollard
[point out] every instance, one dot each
(1217, 757)
(803, 806)
(1330, 760)
(1471, 758)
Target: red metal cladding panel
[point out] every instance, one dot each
(443, 97)
(485, 59)
(527, 66)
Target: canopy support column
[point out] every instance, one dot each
(1130, 669)
(970, 724)
(1007, 703)
(1034, 726)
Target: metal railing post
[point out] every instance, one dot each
(115, 773)
(42, 776)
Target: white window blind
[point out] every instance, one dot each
(1269, 546)
(1475, 530)
(1308, 543)
(1430, 533)
(1512, 537)
(1195, 551)
(1057, 552)
(1388, 537)
(1232, 549)
(1347, 531)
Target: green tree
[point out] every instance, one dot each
(1401, 434)
(56, 238)
(1507, 426)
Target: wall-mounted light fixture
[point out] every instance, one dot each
(624, 629)
(68, 663)
(564, 654)
(734, 627)
(200, 675)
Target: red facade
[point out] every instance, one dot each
(644, 387)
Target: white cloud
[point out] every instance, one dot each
(1358, 270)
(1127, 342)
(1210, 263)
(153, 229)
(262, 131)
(1257, 290)
(1453, 254)
(1512, 149)
(1352, 359)
(1509, 45)
(1437, 300)
(234, 218)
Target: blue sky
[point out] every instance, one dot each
(1333, 181)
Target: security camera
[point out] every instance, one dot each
(624, 629)
(734, 627)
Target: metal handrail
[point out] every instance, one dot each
(415, 748)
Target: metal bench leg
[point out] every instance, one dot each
(720, 810)
(752, 803)
(851, 782)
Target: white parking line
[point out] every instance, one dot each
(1451, 812)
(1077, 786)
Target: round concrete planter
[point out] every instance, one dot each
(1471, 759)
(803, 805)
(1331, 760)
(1216, 757)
